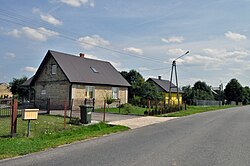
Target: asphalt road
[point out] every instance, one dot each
(212, 138)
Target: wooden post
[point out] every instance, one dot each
(104, 111)
(65, 113)
(14, 117)
(71, 109)
(48, 106)
(119, 105)
(148, 106)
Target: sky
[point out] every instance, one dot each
(144, 35)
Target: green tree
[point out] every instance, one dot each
(201, 91)
(188, 94)
(234, 91)
(17, 89)
(140, 90)
(246, 95)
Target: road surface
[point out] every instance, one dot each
(212, 138)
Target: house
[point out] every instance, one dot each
(163, 87)
(64, 77)
(5, 91)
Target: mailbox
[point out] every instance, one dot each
(30, 114)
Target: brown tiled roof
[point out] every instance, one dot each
(88, 71)
(164, 85)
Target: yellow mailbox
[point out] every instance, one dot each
(30, 114)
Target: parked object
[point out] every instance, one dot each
(85, 113)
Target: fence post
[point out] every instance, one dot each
(14, 117)
(65, 113)
(104, 111)
(119, 105)
(148, 106)
(48, 106)
(71, 109)
(93, 105)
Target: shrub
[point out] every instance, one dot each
(127, 108)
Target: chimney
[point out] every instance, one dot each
(159, 77)
(81, 55)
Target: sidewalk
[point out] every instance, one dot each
(141, 121)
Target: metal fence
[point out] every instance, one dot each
(207, 103)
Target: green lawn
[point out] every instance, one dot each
(132, 110)
(194, 110)
(48, 132)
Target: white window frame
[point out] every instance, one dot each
(87, 89)
(53, 69)
(115, 93)
(43, 92)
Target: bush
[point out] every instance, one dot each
(127, 108)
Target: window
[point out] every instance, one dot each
(94, 70)
(90, 92)
(53, 69)
(115, 92)
(43, 92)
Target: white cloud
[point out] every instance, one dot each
(88, 42)
(39, 34)
(29, 69)
(78, 3)
(143, 68)
(235, 36)
(9, 55)
(15, 33)
(50, 19)
(91, 56)
(36, 10)
(174, 39)
(134, 50)
(176, 51)
(47, 17)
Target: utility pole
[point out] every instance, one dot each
(176, 82)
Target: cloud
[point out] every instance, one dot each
(39, 34)
(235, 36)
(88, 42)
(47, 17)
(50, 19)
(143, 68)
(9, 55)
(176, 51)
(134, 50)
(90, 56)
(29, 69)
(78, 3)
(15, 33)
(174, 39)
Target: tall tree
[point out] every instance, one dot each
(17, 89)
(202, 91)
(140, 89)
(234, 91)
(246, 95)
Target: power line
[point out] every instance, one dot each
(23, 21)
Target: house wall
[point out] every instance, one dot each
(5, 91)
(174, 99)
(55, 86)
(79, 90)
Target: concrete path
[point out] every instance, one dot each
(141, 121)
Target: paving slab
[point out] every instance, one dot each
(141, 121)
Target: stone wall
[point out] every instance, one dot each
(53, 86)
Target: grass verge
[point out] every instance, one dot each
(11, 147)
(194, 110)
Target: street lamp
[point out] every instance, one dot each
(176, 81)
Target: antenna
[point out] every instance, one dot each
(171, 86)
